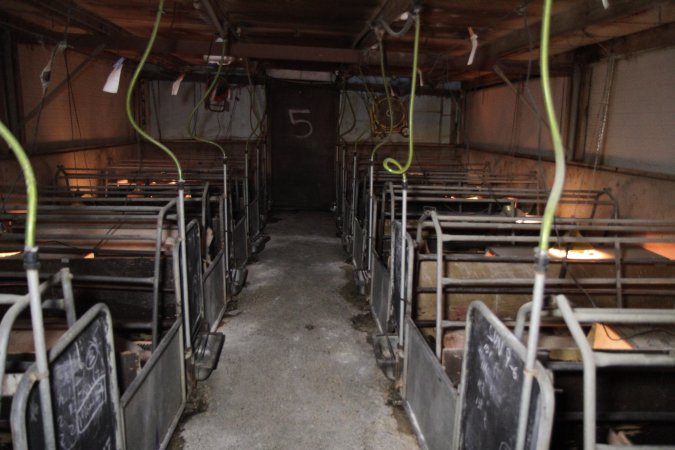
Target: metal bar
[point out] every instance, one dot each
(41, 358)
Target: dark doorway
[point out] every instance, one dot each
(303, 125)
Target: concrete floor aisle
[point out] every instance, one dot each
(296, 373)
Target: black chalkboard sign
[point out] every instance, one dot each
(492, 379)
(85, 397)
(194, 275)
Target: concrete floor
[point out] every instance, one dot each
(296, 372)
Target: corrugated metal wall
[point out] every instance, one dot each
(641, 118)
(496, 121)
(639, 131)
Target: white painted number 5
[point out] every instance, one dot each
(292, 115)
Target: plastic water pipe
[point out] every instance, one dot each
(541, 253)
(371, 172)
(31, 264)
(181, 181)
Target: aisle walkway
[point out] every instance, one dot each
(295, 372)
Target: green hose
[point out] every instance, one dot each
(190, 129)
(31, 185)
(397, 168)
(559, 151)
(130, 91)
(385, 83)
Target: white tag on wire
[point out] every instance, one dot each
(176, 84)
(112, 84)
(474, 45)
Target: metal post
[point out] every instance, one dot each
(226, 221)
(402, 254)
(541, 260)
(40, 346)
(354, 198)
(589, 371)
(183, 267)
(246, 202)
(439, 285)
(336, 169)
(68, 298)
(371, 216)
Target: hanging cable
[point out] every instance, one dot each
(541, 253)
(191, 129)
(409, 19)
(132, 85)
(391, 164)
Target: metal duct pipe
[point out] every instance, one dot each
(211, 15)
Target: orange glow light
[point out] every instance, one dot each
(8, 254)
(581, 254)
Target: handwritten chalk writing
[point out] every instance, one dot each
(492, 383)
(295, 121)
(81, 377)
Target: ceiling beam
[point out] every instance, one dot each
(70, 11)
(211, 16)
(295, 53)
(651, 39)
(583, 14)
(271, 52)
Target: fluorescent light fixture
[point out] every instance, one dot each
(302, 75)
(216, 59)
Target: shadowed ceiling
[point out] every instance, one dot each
(341, 35)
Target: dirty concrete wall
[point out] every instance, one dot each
(639, 129)
(638, 158)
(497, 121)
(638, 196)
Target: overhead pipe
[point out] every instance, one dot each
(211, 15)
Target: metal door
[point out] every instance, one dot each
(303, 125)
